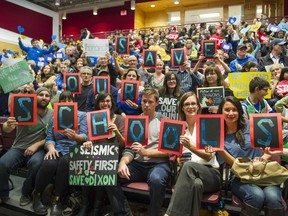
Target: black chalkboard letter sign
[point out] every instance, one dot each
(170, 131)
(97, 166)
(129, 90)
(136, 129)
(73, 82)
(122, 45)
(178, 57)
(208, 48)
(65, 116)
(150, 58)
(24, 108)
(266, 131)
(210, 131)
(101, 83)
(98, 122)
(210, 96)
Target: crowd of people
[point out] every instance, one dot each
(45, 152)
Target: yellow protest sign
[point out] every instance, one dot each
(239, 83)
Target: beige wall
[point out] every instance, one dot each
(160, 17)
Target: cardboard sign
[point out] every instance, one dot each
(210, 96)
(168, 106)
(239, 83)
(266, 131)
(96, 47)
(15, 75)
(129, 90)
(170, 131)
(24, 108)
(98, 122)
(210, 131)
(122, 45)
(150, 58)
(208, 48)
(65, 116)
(136, 129)
(100, 84)
(95, 167)
(73, 82)
(178, 57)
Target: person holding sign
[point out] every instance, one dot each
(140, 163)
(214, 78)
(237, 144)
(129, 107)
(199, 170)
(117, 126)
(27, 148)
(55, 164)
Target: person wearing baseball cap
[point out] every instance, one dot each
(276, 54)
(27, 149)
(241, 59)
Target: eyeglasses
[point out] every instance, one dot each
(131, 75)
(105, 101)
(187, 104)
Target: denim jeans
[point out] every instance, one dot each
(256, 196)
(156, 176)
(14, 159)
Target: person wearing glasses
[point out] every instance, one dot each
(199, 171)
(129, 107)
(255, 102)
(93, 205)
(86, 86)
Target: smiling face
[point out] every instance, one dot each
(211, 78)
(190, 107)
(106, 103)
(230, 113)
(172, 82)
(131, 75)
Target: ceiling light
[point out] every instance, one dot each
(176, 2)
(64, 15)
(95, 10)
(132, 4)
(57, 2)
(152, 5)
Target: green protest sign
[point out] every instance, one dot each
(15, 75)
(93, 167)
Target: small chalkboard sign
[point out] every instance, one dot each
(150, 58)
(97, 166)
(170, 131)
(178, 57)
(210, 131)
(101, 83)
(122, 45)
(266, 131)
(210, 96)
(136, 129)
(73, 82)
(98, 122)
(65, 116)
(208, 48)
(129, 90)
(24, 108)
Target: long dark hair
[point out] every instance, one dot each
(241, 123)
(100, 97)
(283, 71)
(66, 94)
(164, 89)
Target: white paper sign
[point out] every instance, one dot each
(96, 47)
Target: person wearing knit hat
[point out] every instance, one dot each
(27, 149)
